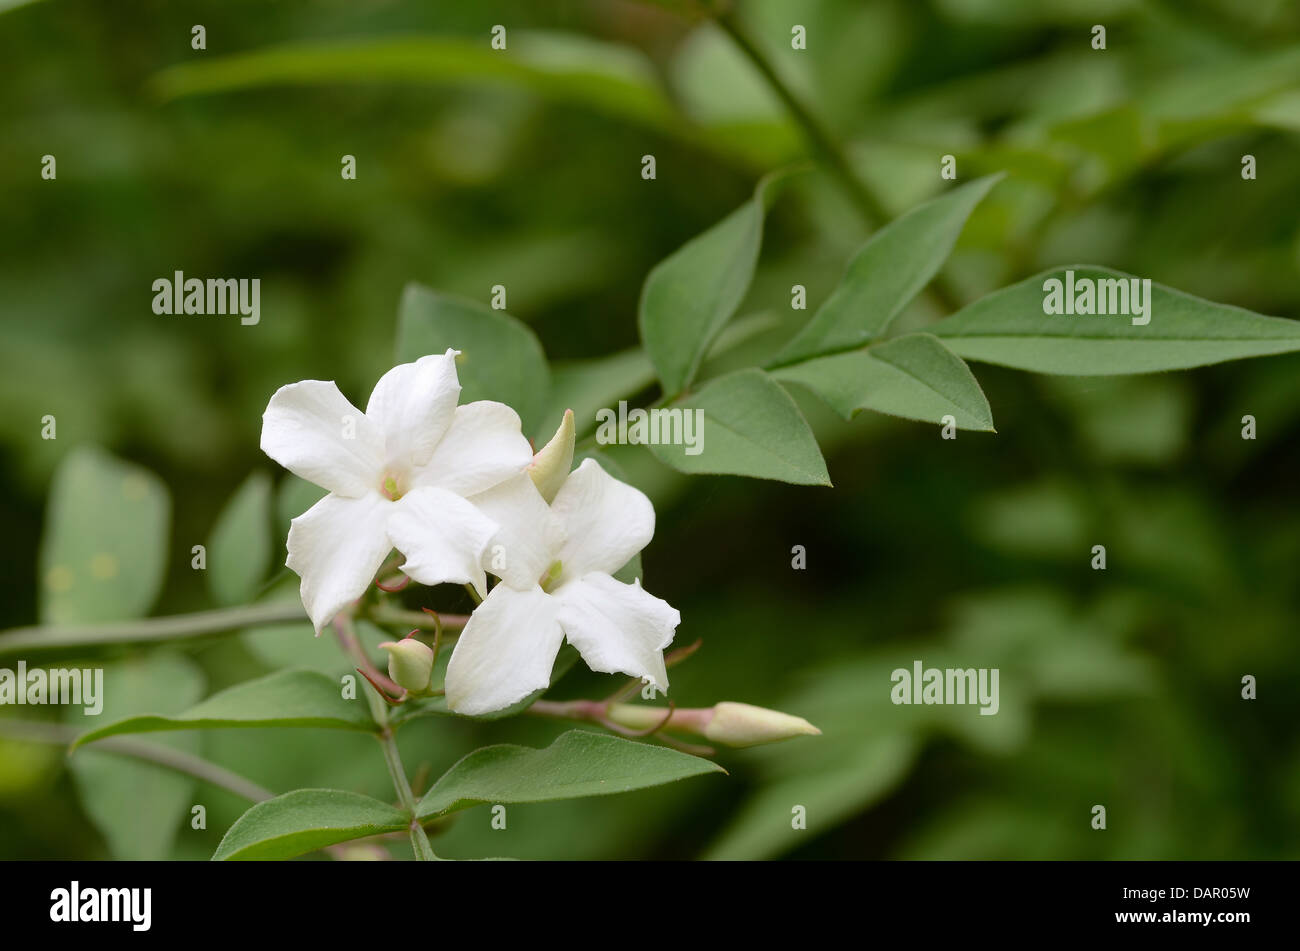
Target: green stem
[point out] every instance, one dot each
(419, 839)
(148, 752)
(149, 630)
(823, 143)
(817, 135)
(400, 617)
(392, 758)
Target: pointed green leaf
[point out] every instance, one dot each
(561, 67)
(691, 294)
(305, 820)
(750, 427)
(239, 550)
(577, 764)
(287, 698)
(915, 377)
(104, 553)
(1009, 327)
(138, 807)
(500, 358)
(884, 276)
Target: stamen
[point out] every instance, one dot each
(551, 575)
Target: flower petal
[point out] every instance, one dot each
(413, 405)
(336, 547)
(605, 522)
(482, 448)
(312, 430)
(506, 651)
(442, 536)
(528, 535)
(618, 628)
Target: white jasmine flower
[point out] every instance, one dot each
(556, 564)
(410, 459)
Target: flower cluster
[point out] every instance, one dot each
(459, 493)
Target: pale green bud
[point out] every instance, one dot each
(727, 723)
(739, 724)
(550, 467)
(410, 663)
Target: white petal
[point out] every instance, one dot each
(412, 405)
(605, 522)
(442, 536)
(336, 546)
(528, 536)
(506, 651)
(618, 628)
(313, 431)
(483, 448)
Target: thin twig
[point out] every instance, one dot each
(157, 754)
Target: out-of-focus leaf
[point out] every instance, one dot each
(138, 807)
(889, 270)
(615, 80)
(305, 820)
(586, 386)
(500, 358)
(1009, 327)
(296, 646)
(749, 427)
(915, 377)
(577, 764)
(764, 827)
(240, 547)
(104, 553)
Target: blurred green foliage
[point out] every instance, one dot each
(1120, 687)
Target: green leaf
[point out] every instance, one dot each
(884, 276)
(500, 358)
(239, 550)
(586, 386)
(1009, 327)
(296, 698)
(615, 80)
(296, 647)
(750, 427)
(759, 827)
(104, 553)
(138, 807)
(437, 706)
(577, 764)
(691, 294)
(915, 377)
(305, 820)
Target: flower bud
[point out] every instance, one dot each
(550, 467)
(739, 724)
(410, 663)
(727, 723)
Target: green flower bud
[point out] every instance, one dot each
(727, 723)
(739, 724)
(550, 467)
(410, 663)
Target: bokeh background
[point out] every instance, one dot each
(1119, 687)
